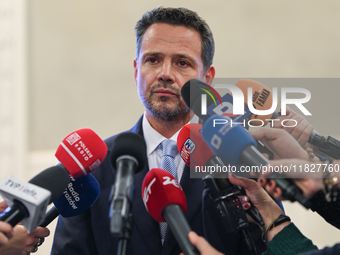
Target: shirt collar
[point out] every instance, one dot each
(153, 138)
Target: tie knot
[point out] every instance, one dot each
(169, 148)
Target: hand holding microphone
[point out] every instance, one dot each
(6, 232)
(28, 201)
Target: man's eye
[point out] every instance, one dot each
(182, 63)
(152, 60)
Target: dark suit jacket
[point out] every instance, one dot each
(89, 233)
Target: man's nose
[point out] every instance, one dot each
(166, 72)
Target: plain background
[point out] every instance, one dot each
(76, 71)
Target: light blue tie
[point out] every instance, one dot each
(168, 164)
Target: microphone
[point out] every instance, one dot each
(164, 199)
(222, 192)
(28, 201)
(129, 157)
(79, 195)
(192, 92)
(81, 152)
(236, 145)
(193, 149)
(262, 100)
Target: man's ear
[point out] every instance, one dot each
(135, 72)
(210, 75)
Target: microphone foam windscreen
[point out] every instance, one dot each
(54, 179)
(192, 92)
(81, 152)
(191, 146)
(262, 98)
(226, 141)
(160, 189)
(79, 195)
(131, 144)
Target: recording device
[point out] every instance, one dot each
(165, 200)
(78, 196)
(28, 201)
(327, 145)
(128, 156)
(236, 145)
(81, 152)
(195, 152)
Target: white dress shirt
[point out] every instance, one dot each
(154, 150)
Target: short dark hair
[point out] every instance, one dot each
(178, 17)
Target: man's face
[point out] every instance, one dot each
(169, 56)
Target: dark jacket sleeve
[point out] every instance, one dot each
(330, 211)
(71, 234)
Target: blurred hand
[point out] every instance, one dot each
(22, 243)
(309, 182)
(202, 245)
(266, 206)
(281, 143)
(19, 242)
(6, 232)
(300, 132)
(3, 206)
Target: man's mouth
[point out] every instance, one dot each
(164, 92)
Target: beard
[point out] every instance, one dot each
(164, 107)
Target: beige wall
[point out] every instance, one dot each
(80, 67)
(81, 52)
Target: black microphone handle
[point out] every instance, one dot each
(122, 193)
(16, 214)
(50, 216)
(180, 228)
(253, 157)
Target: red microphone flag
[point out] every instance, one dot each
(81, 152)
(160, 189)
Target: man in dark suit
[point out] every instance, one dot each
(173, 46)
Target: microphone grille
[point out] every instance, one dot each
(131, 144)
(54, 179)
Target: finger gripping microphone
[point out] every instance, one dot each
(78, 196)
(81, 152)
(28, 201)
(164, 199)
(128, 157)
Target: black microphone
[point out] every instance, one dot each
(129, 157)
(28, 201)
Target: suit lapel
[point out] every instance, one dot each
(193, 188)
(143, 222)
